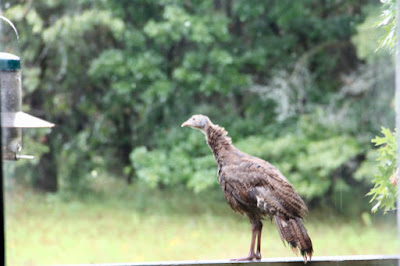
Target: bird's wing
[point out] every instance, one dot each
(257, 183)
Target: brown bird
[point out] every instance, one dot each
(255, 188)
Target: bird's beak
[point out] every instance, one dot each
(186, 124)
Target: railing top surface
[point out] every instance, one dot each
(322, 260)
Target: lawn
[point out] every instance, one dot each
(133, 224)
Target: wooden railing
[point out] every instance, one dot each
(366, 260)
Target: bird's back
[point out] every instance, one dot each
(254, 187)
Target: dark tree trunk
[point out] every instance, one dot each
(46, 170)
(46, 179)
(127, 146)
(47, 174)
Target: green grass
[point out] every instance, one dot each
(133, 224)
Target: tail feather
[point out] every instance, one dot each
(292, 231)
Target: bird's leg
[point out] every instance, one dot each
(258, 253)
(255, 230)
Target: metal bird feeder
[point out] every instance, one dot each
(12, 117)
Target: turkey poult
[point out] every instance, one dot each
(255, 188)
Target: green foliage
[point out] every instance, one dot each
(384, 193)
(70, 29)
(119, 78)
(181, 164)
(388, 23)
(368, 168)
(368, 37)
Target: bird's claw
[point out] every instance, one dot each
(249, 257)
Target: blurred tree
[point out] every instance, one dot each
(119, 77)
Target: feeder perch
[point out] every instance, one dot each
(12, 118)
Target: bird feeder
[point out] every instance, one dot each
(12, 118)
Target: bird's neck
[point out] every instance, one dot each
(218, 141)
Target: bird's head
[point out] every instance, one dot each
(200, 122)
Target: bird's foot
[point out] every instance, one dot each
(251, 256)
(244, 258)
(258, 256)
